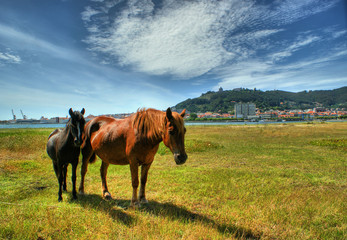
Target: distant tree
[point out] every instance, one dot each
(193, 116)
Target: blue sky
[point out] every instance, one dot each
(117, 56)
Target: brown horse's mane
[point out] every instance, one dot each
(149, 123)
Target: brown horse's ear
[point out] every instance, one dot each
(183, 113)
(83, 111)
(70, 112)
(169, 114)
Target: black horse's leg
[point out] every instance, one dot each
(58, 172)
(64, 177)
(60, 180)
(73, 178)
(103, 173)
(144, 174)
(55, 167)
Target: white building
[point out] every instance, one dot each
(244, 110)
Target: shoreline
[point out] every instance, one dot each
(187, 123)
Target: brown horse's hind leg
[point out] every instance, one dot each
(86, 155)
(103, 173)
(144, 174)
(134, 169)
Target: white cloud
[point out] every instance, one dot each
(88, 13)
(9, 58)
(289, 11)
(187, 39)
(182, 41)
(293, 47)
(339, 33)
(307, 73)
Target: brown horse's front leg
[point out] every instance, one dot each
(103, 173)
(86, 155)
(144, 174)
(84, 169)
(134, 169)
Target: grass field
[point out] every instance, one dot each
(284, 181)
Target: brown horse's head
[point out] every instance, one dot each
(77, 123)
(174, 135)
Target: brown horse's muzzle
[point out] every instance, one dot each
(180, 158)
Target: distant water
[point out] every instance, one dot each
(37, 125)
(62, 125)
(232, 123)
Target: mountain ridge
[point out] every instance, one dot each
(224, 101)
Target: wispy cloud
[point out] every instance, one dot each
(88, 13)
(289, 11)
(9, 58)
(31, 44)
(187, 39)
(339, 33)
(307, 73)
(294, 46)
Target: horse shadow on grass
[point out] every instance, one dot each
(180, 213)
(116, 209)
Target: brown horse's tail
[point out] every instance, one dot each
(92, 159)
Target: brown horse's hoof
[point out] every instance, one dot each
(143, 200)
(107, 196)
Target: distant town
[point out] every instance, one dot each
(249, 112)
(242, 112)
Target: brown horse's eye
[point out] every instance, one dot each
(172, 130)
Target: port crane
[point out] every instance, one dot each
(24, 116)
(14, 116)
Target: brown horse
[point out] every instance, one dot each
(63, 147)
(134, 141)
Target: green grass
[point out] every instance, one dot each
(283, 181)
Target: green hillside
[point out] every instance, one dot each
(223, 101)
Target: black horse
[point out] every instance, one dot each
(63, 147)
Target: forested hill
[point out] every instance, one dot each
(223, 101)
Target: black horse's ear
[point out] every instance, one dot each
(83, 111)
(70, 112)
(169, 114)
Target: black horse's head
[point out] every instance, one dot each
(77, 123)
